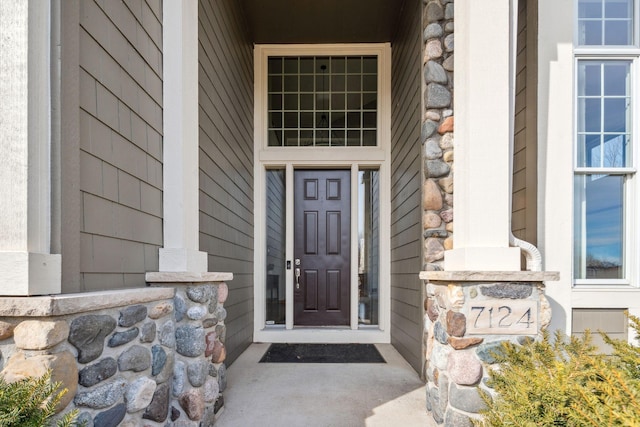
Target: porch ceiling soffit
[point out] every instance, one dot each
(326, 21)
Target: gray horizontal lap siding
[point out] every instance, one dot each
(226, 159)
(406, 181)
(523, 207)
(120, 119)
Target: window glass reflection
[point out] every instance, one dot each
(275, 274)
(605, 22)
(604, 113)
(368, 246)
(599, 227)
(306, 93)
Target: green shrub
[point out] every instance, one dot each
(31, 402)
(565, 381)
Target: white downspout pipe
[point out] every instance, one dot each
(531, 253)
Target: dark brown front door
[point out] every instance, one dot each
(322, 205)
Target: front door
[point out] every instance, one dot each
(322, 250)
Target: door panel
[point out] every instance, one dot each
(333, 233)
(333, 289)
(322, 236)
(311, 290)
(311, 233)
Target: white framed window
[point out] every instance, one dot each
(322, 101)
(606, 140)
(606, 22)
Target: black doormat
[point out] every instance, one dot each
(322, 353)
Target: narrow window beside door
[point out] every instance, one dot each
(276, 249)
(368, 246)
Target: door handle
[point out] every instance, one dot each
(297, 278)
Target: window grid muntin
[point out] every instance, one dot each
(358, 106)
(603, 19)
(629, 53)
(583, 132)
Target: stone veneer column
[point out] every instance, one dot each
(180, 156)
(28, 267)
(199, 372)
(437, 131)
(151, 356)
(468, 316)
(481, 299)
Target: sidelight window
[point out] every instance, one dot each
(276, 246)
(368, 246)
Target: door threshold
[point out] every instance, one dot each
(333, 335)
(307, 327)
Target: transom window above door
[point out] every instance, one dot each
(322, 101)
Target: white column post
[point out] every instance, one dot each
(180, 156)
(26, 265)
(482, 175)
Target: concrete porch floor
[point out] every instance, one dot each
(323, 395)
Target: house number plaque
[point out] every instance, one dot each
(501, 316)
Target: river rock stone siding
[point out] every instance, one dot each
(150, 363)
(437, 131)
(457, 362)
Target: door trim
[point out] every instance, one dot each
(353, 158)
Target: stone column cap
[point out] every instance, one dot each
(186, 277)
(490, 276)
(63, 304)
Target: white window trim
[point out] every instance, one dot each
(578, 49)
(631, 200)
(352, 158)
